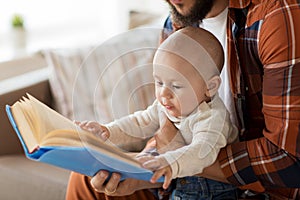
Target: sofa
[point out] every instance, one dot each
(100, 82)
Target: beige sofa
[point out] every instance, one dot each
(100, 83)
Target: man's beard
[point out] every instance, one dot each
(195, 15)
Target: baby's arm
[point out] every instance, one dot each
(95, 128)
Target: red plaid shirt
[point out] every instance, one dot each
(264, 63)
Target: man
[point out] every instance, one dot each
(262, 41)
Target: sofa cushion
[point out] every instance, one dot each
(26, 179)
(106, 81)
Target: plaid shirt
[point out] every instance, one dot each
(264, 63)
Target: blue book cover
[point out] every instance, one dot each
(84, 158)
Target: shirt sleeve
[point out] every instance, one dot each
(211, 129)
(132, 131)
(273, 160)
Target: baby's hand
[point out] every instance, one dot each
(95, 128)
(160, 167)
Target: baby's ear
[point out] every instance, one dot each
(213, 85)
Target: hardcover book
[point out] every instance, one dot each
(49, 137)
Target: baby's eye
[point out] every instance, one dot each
(158, 83)
(177, 87)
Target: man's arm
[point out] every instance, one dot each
(273, 160)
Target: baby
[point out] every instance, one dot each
(186, 69)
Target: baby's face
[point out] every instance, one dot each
(178, 85)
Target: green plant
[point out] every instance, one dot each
(17, 21)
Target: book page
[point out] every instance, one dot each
(31, 117)
(49, 119)
(25, 125)
(34, 120)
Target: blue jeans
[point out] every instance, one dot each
(198, 188)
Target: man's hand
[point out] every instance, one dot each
(114, 187)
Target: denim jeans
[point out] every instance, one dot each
(198, 188)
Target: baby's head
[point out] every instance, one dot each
(186, 69)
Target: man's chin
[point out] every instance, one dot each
(182, 16)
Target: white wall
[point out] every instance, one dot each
(56, 23)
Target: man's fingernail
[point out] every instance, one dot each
(102, 175)
(115, 176)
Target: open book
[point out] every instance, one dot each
(49, 137)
